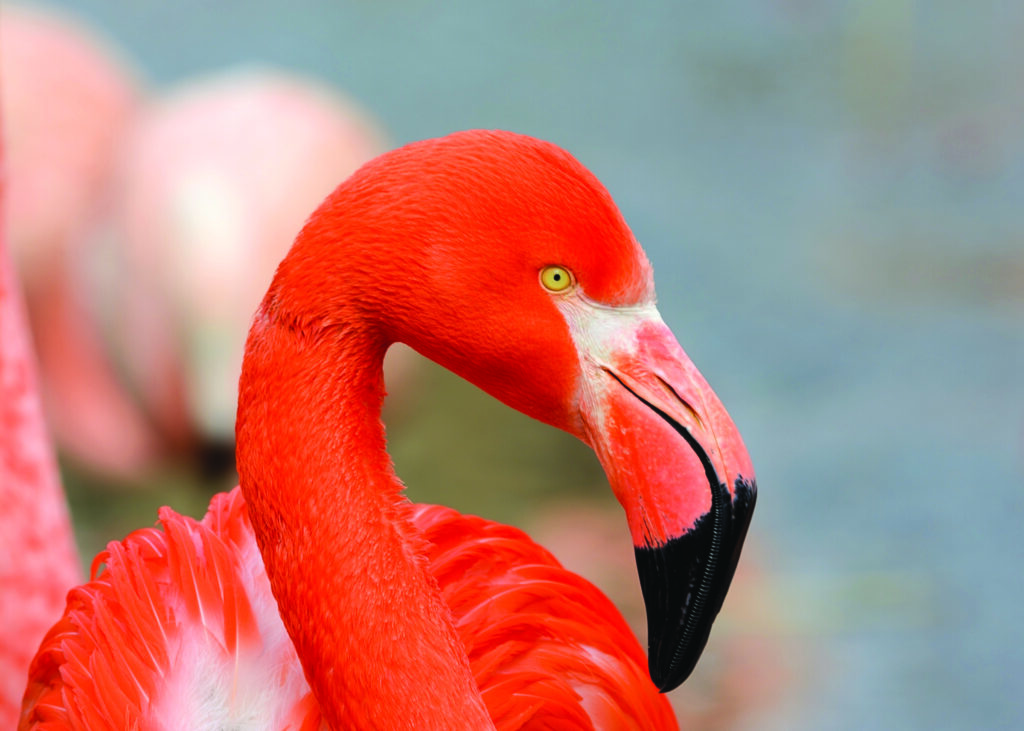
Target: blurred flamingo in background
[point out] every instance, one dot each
(67, 102)
(38, 559)
(503, 259)
(146, 230)
(218, 176)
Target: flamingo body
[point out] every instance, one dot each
(179, 629)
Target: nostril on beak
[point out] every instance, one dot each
(674, 396)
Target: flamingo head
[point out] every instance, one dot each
(503, 259)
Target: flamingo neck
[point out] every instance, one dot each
(375, 639)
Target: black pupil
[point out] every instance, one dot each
(557, 276)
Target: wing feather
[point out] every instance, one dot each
(182, 591)
(548, 649)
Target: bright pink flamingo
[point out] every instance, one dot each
(501, 258)
(38, 560)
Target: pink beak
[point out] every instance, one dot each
(678, 466)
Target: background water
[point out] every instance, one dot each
(832, 194)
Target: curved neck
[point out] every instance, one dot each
(374, 637)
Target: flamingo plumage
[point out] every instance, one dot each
(316, 594)
(38, 558)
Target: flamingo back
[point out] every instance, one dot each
(547, 648)
(178, 629)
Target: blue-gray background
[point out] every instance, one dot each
(832, 194)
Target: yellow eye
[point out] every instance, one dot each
(556, 278)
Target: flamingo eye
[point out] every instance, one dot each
(556, 278)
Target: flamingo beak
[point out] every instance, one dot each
(678, 466)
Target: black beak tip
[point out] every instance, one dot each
(672, 670)
(684, 582)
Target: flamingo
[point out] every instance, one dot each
(202, 219)
(68, 99)
(35, 531)
(315, 594)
